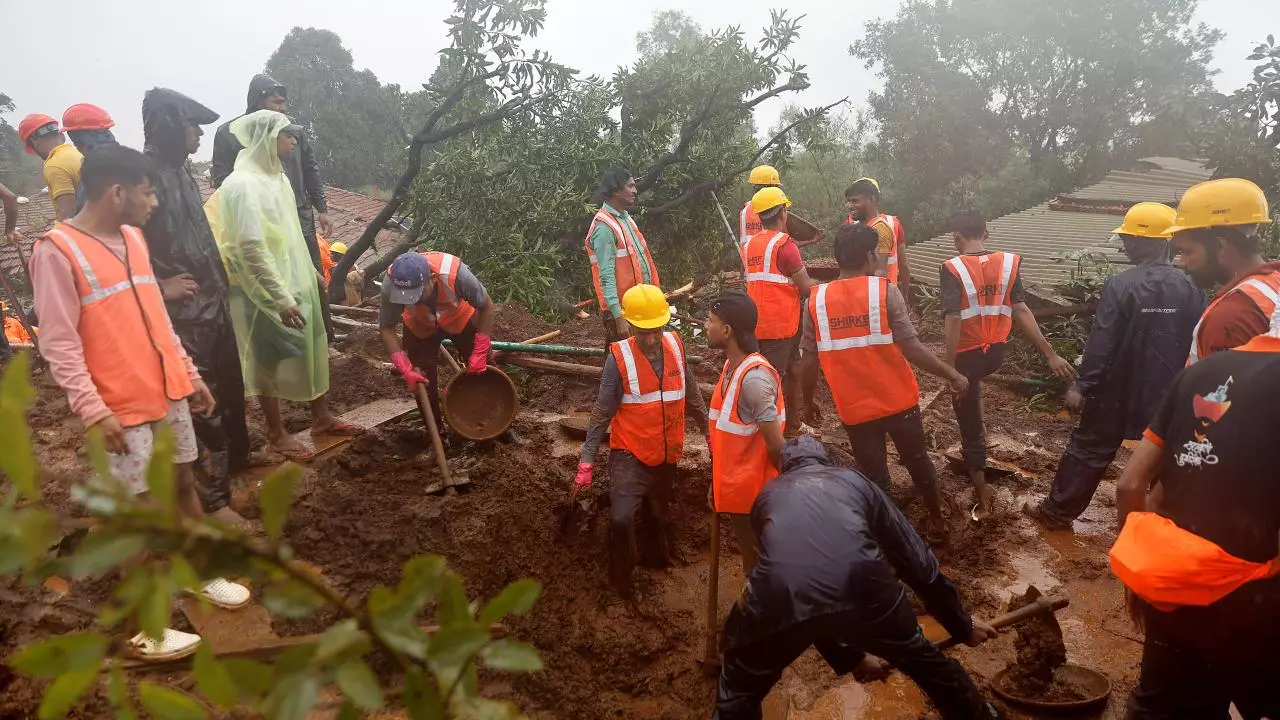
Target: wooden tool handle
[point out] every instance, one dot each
(1040, 606)
(711, 652)
(424, 403)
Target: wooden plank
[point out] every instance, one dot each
(349, 323)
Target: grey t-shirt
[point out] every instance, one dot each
(467, 286)
(899, 322)
(758, 402)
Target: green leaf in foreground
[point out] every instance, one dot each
(275, 497)
(63, 692)
(213, 678)
(359, 684)
(164, 703)
(515, 599)
(512, 655)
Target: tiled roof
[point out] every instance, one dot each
(1080, 220)
(35, 216)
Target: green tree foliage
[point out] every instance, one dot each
(19, 170)
(1240, 133)
(998, 103)
(435, 669)
(354, 120)
(817, 162)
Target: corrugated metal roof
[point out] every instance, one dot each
(1081, 220)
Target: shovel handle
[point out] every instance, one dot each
(1041, 606)
(424, 404)
(711, 652)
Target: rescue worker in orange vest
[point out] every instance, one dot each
(1216, 236)
(982, 299)
(435, 296)
(746, 416)
(618, 252)
(761, 177)
(857, 330)
(777, 282)
(645, 390)
(863, 199)
(327, 263)
(1200, 517)
(110, 345)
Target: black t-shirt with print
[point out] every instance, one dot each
(1220, 430)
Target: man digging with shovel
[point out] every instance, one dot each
(645, 391)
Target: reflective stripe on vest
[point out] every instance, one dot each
(97, 292)
(767, 273)
(878, 335)
(451, 312)
(975, 308)
(628, 256)
(748, 225)
(776, 296)
(895, 227)
(633, 396)
(724, 419)
(1257, 290)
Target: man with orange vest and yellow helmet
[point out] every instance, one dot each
(858, 331)
(1200, 517)
(618, 252)
(1216, 236)
(863, 200)
(982, 299)
(106, 335)
(746, 416)
(777, 282)
(435, 296)
(761, 177)
(645, 390)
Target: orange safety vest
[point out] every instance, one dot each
(650, 421)
(326, 259)
(867, 373)
(1170, 567)
(627, 272)
(986, 308)
(748, 224)
(776, 297)
(1263, 290)
(451, 312)
(740, 463)
(899, 241)
(124, 327)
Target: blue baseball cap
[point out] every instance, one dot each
(409, 274)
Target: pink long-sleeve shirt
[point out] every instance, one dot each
(58, 307)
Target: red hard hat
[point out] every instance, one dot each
(28, 127)
(83, 116)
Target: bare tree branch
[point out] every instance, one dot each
(789, 87)
(679, 153)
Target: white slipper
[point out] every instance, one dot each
(173, 645)
(225, 594)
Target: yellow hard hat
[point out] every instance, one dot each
(764, 175)
(768, 199)
(1148, 219)
(338, 247)
(646, 307)
(1221, 203)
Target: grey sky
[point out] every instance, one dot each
(111, 56)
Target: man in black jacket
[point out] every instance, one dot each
(1139, 342)
(834, 552)
(301, 168)
(194, 282)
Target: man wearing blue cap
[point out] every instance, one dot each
(436, 296)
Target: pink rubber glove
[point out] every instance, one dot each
(411, 376)
(479, 359)
(583, 480)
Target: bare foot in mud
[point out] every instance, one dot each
(291, 449)
(986, 504)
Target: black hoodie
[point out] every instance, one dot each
(302, 170)
(177, 233)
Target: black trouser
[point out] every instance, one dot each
(1092, 447)
(975, 364)
(213, 349)
(637, 492)
(425, 353)
(749, 672)
(307, 217)
(1196, 661)
(5, 349)
(906, 429)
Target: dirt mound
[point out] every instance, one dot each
(1040, 651)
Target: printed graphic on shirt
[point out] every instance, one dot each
(1208, 409)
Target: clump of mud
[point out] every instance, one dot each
(1040, 652)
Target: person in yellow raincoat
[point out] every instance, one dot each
(275, 304)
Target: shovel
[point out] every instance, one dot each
(711, 653)
(448, 484)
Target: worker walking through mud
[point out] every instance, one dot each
(111, 347)
(747, 414)
(1216, 237)
(436, 297)
(982, 300)
(858, 333)
(777, 281)
(851, 605)
(618, 252)
(646, 392)
(1138, 343)
(1200, 516)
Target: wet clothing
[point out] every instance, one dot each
(834, 554)
(1235, 318)
(975, 364)
(610, 399)
(906, 429)
(180, 241)
(1138, 343)
(467, 286)
(639, 494)
(1217, 430)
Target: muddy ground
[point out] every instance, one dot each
(362, 512)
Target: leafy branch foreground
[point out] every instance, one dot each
(157, 553)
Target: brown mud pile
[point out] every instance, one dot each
(1040, 652)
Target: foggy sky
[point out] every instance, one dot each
(110, 55)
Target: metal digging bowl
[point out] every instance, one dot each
(1094, 685)
(481, 406)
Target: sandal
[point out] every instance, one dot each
(224, 593)
(172, 645)
(298, 455)
(341, 428)
(265, 458)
